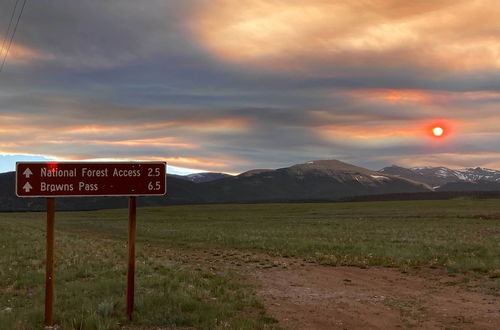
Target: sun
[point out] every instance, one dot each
(437, 131)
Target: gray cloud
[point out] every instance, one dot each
(132, 79)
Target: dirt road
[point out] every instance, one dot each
(320, 297)
(304, 295)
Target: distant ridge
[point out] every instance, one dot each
(318, 180)
(314, 180)
(445, 179)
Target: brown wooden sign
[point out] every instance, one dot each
(66, 179)
(78, 179)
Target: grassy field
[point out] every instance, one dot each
(459, 235)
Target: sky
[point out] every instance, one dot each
(228, 86)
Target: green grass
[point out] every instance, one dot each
(91, 278)
(460, 235)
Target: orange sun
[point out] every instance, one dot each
(437, 131)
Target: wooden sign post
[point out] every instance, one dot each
(69, 179)
(49, 266)
(131, 256)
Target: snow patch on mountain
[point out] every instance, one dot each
(380, 177)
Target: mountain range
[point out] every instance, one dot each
(445, 179)
(319, 180)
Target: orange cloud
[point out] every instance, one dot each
(392, 132)
(112, 133)
(93, 129)
(185, 162)
(204, 125)
(21, 55)
(418, 96)
(121, 142)
(156, 142)
(457, 35)
(367, 134)
(197, 162)
(409, 96)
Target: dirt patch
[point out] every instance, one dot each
(304, 295)
(320, 297)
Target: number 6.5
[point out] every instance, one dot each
(154, 185)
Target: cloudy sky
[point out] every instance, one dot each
(228, 85)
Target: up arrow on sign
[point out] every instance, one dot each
(27, 187)
(27, 173)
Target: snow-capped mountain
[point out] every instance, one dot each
(438, 177)
(313, 180)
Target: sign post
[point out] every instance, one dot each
(81, 179)
(49, 267)
(131, 256)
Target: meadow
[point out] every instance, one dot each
(191, 259)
